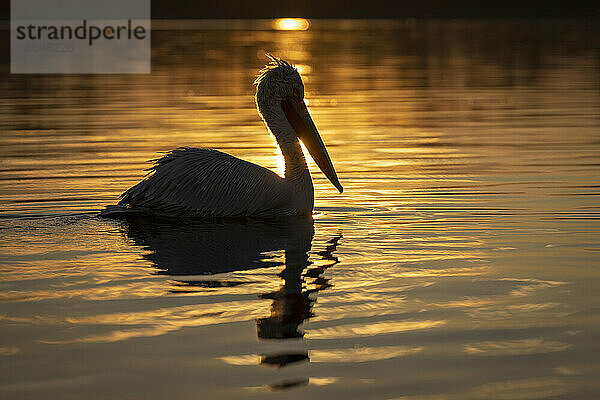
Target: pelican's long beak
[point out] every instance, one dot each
(300, 119)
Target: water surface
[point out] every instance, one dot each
(459, 263)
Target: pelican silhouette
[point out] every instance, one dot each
(209, 183)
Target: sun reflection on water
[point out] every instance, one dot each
(291, 24)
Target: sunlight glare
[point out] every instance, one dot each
(309, 160)
(291, 24)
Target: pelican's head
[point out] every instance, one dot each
(277, 81)
(280, 91)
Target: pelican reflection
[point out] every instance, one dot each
(208, 247)
(218, 246)
(291, 304)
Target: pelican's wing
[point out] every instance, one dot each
(209, 183)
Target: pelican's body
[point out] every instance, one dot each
(206, 182)
(209, 183)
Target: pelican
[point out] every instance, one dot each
(209, 183)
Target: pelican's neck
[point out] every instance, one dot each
(296, 169)
(295, 163)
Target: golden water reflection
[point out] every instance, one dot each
(465, 236)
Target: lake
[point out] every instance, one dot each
(461, 261)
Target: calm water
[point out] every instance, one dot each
(461, 262)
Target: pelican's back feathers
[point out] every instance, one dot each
(206, 182)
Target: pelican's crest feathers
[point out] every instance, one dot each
(274, 62)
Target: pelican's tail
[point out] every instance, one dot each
(119, 212)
